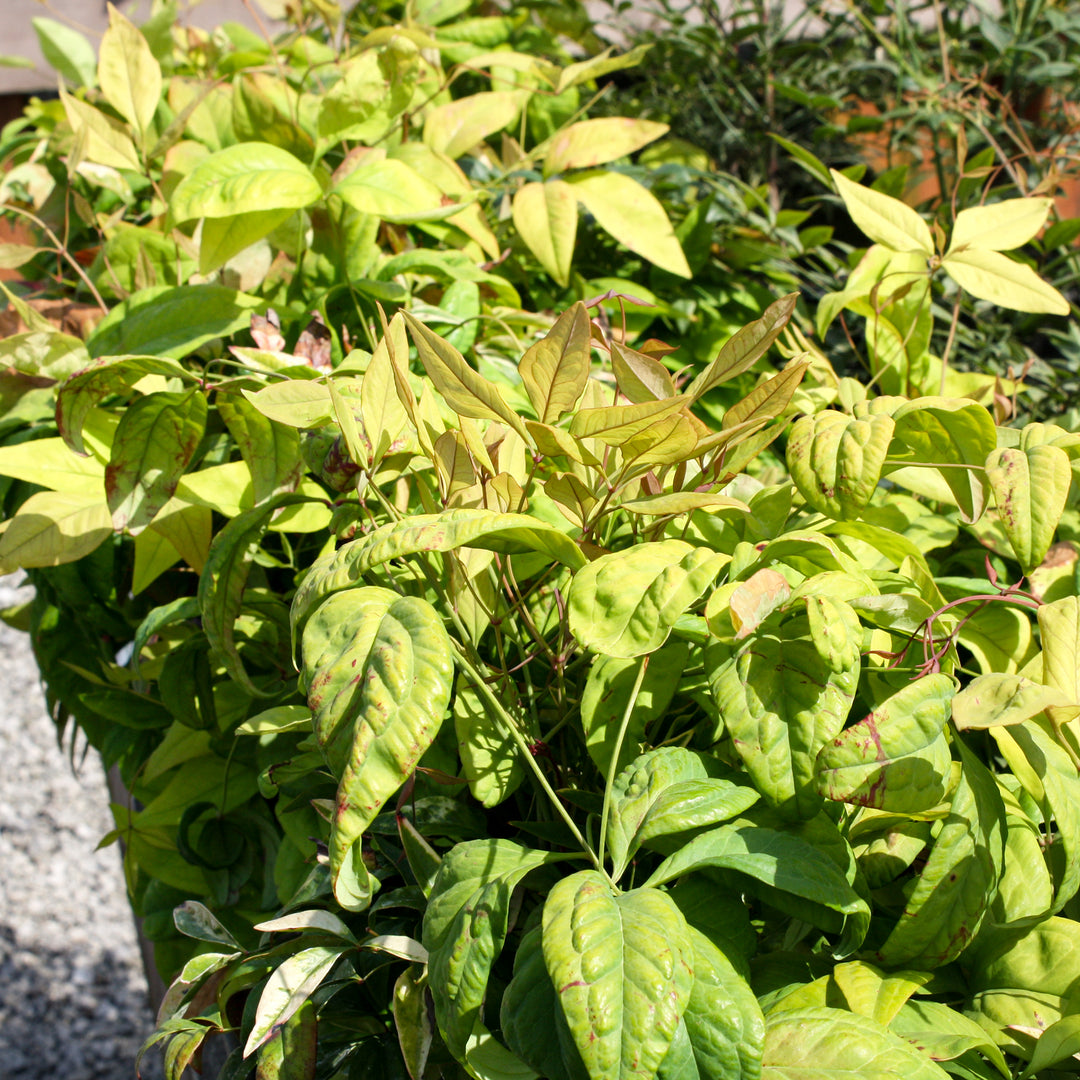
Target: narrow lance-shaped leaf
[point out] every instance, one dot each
(556, 369)
(128, 73)
(589, 143)
(1000, 226)
(745, 347)
(54, 527)
(155, 440)
(466, 391)
(622, 967)
(989, 275)
(271, 451)
(884, 219)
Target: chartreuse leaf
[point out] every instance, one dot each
(241, 179)
(836, 460)
(452, 529)
(223, 237)
(871, 993)
(615, 425)
(128, 73)
(51, 464)
(466, 391)
(1000, 226)
(391, 190)
(1030, 488)
(546, 216)
(636, 788)
(633, 216)
(781, 704)
(103, 140)
(723, 1019)
(952, 433)
(589, 143)
(998, 699)
(378, 669)
(386, 422)
(465, 926)
(290, 984)
(270, 451)
(945, 1034)
(1059, 631)
(607, 695)
(456, 127)
(882, 218)
(297, 403)
(155, 440)
(989, 275)
(625, 604)
(54, 527)
(622, 968)
(555, 370)
(1060, 1041)
(959, 881)
(529, 1005)
(601, 64)
(897, 757)
(1047, 773)
(819, 1043)
(783, 862)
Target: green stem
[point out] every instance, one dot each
(617, 749)
(949, 344)
(493, 702)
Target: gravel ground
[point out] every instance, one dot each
(73, 995)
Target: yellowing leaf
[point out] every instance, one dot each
(1001, 226)
(54, 527)
(52, 464)
(633, 216)
(752, 600)
(455, 128)
(391, 190)
(989, 275)
(300, 403)
(128, 74)
(589, 143)
(614, 424)
(883, 219)
(595, 66)
(545, 216)
(105, 140)
(556, 368)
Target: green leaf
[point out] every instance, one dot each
(44, 353)
(489, 756)
(54, 527)
(1000, 699)
(989, 275)
(546, 217)
(270, 451)
(296, 403)
(313, 919)
(607, 694)
(103, 140)
(129, 76)
(836, 460)
(723, 1018)
(596, 66)
(625, 604)
(1059, 632)
(817, 1044)
(555, 370)
(784, 862)
(1030, 488)
(391, 190)
(589, 143)
(378, 670)
(155, 441)
(948, 432)
(290, 984)
(67, 51)
(280, 718)
(781, 704)
(945, 1034)
(414, 1028)
(1000, 226)
(291, 1051)
(633, 216)
(745, 347)
(222, 238)
(1061, 1040)
(51, 464)
(959, 881)
(616, 425)
(883, 219)
(456, 127)
(529, 1005)
(871, 993)
(622, 967)
(172, 322)
(465, 390)
(247, 177)
(897, 757)
(452, 529)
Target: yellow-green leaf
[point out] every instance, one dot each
(989, 275)
(105, 141)
(54, 527)
(633, 216)
(615, 424)
(545, 216)
(589, 143)
(391, 190)
(1000, 226)
(882, 218)
(456, 127)
(556, 369)
(128, 74)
